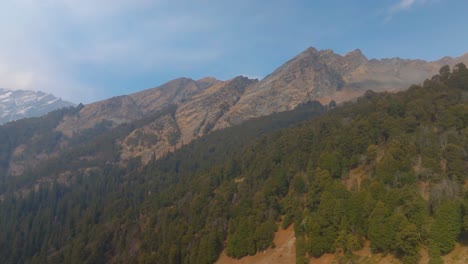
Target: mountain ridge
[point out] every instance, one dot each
(199, 107)
(324, 75)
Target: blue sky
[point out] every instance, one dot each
(88, 50)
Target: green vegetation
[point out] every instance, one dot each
(100, 193)
(352, 174)
(36, 132)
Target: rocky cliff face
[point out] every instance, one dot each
(198, 107)
(200, 115)
(192, 118)
(128, 108)
(152, 140)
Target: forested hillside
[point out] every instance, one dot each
(87, 175)
(388, 168)
(37, 132)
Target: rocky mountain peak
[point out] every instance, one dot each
(356, 55)
(453, 61)
(327, 52)
(17, 104)
(464, 57)
(310, 50)
(239, 83)
(208, 81)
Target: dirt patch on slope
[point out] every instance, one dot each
(459, 255)
(283, 253)
(356, 176)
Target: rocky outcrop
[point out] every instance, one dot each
(128, 108)
(174, 92)
(117, 110)
(200, 115)
(192, 118)
(152, 140)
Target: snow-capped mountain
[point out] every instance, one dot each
(17, 104)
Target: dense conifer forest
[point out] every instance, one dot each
(390, 168)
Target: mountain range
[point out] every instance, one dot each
(194, 108)
(19, 104)
(199, 107)
(205, 105)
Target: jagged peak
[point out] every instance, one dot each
(356, 53)
(309, 52)
(181, 79)
(18, 92)
(17, 104)
(207, 82)
(208, 79)
(327, 51)
(445, 60)
(311, 49)
(243, 77)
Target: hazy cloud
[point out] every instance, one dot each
(403, 5)
(45, 43)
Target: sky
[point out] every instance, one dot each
(89, 50)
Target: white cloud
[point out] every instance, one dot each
(403, 5)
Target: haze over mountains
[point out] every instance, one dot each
(19, 104)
